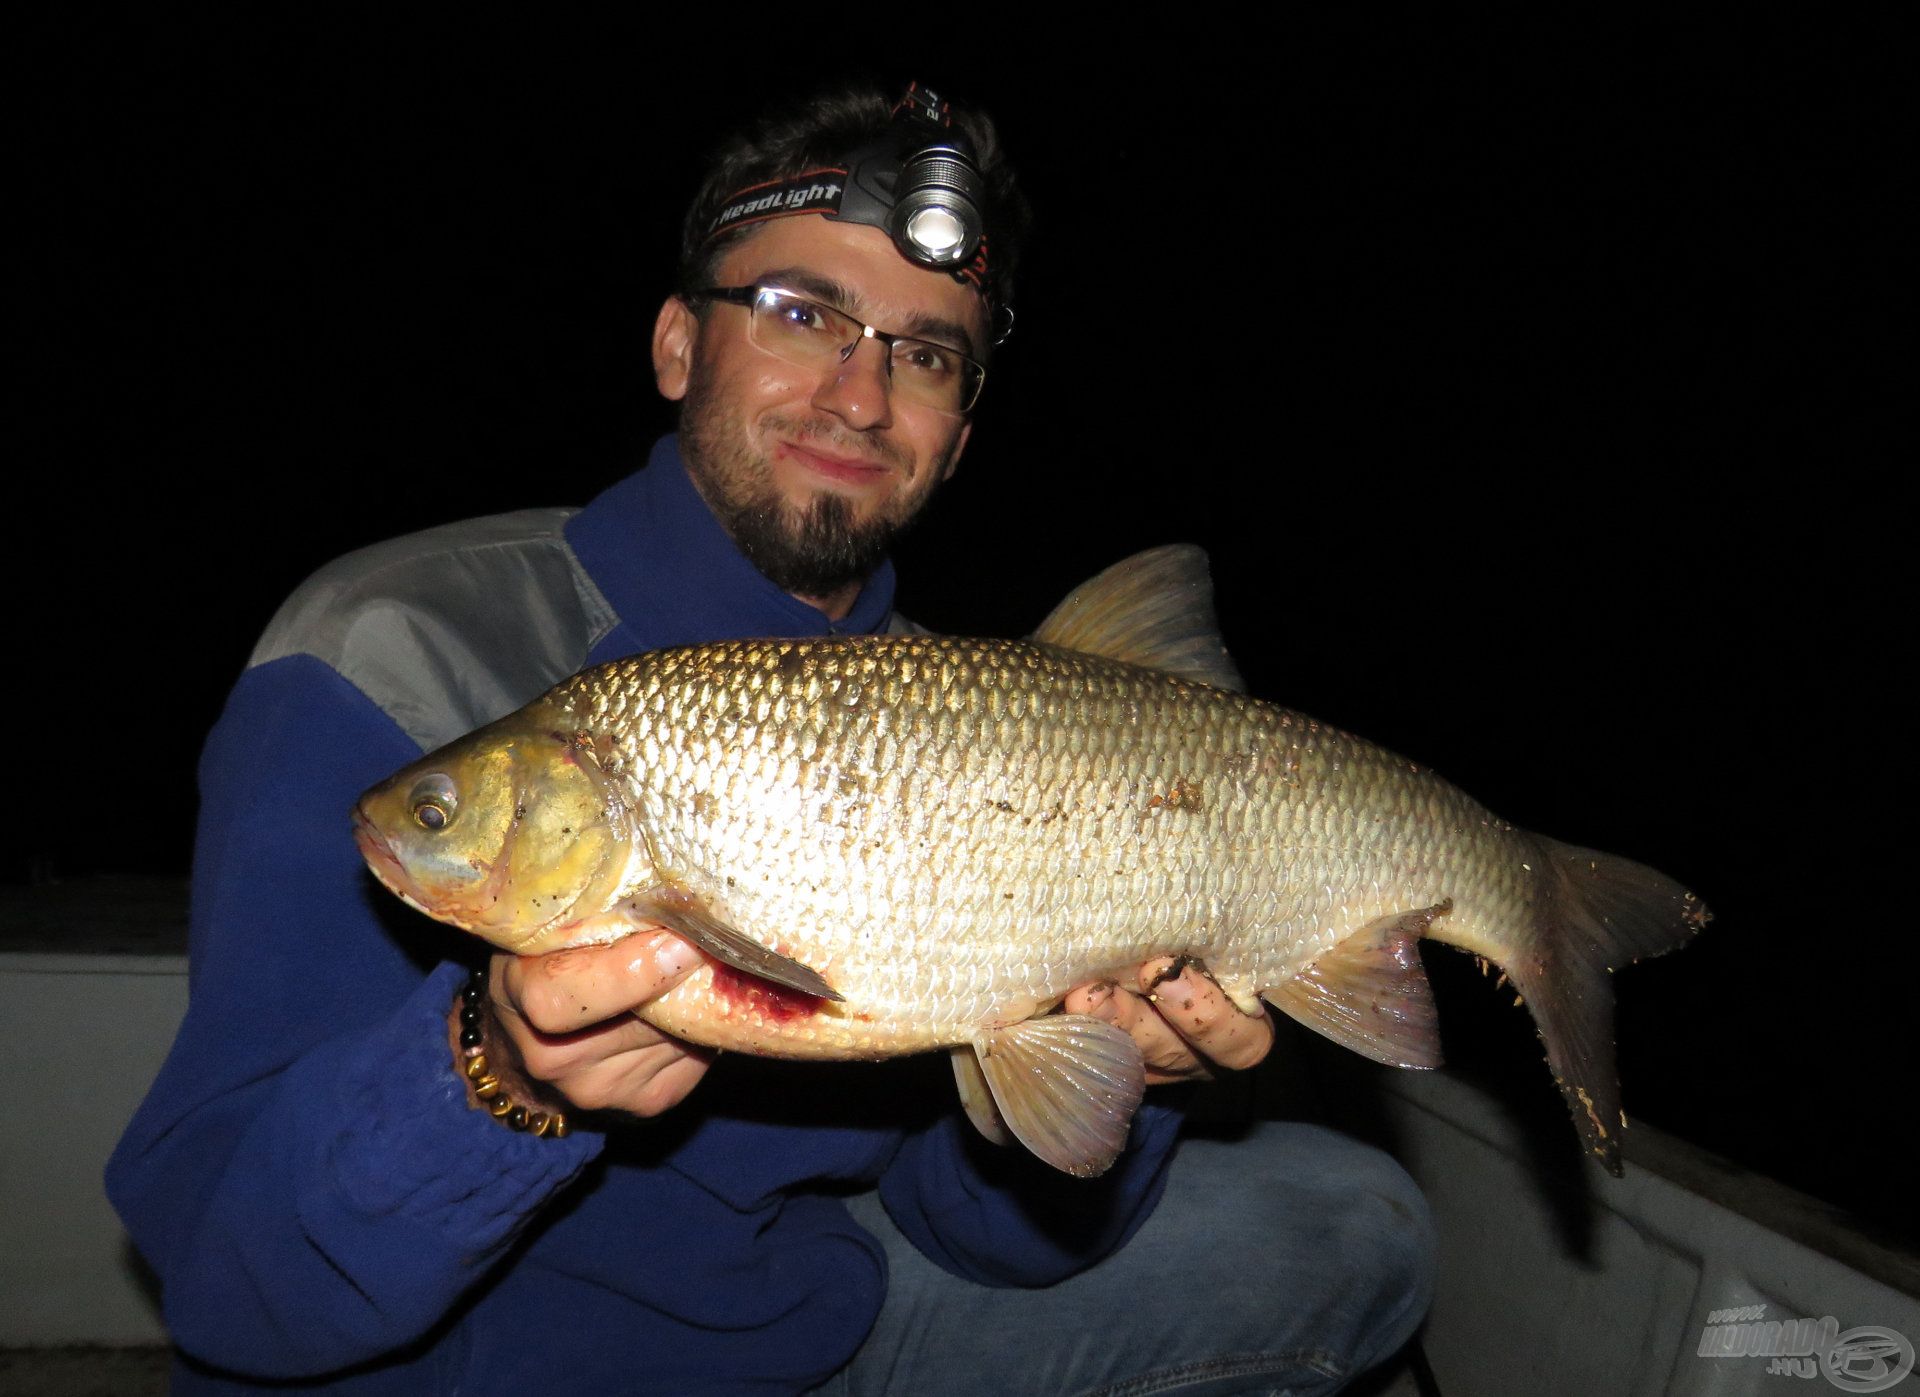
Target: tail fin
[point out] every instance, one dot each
(1594, 913)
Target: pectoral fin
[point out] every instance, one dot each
(1370, 993)
(683, 915)
(977, 1096)
(1067, 1086)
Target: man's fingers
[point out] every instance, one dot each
(554, 1056)
(1167, 1055)
(565, 991)
(1200, 1012)
(568, 1018)
(1095, 999)
(641, 1082)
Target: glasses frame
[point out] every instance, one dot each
(749, 296)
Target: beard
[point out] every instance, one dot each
(813, 550)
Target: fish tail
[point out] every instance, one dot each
(1592, 913)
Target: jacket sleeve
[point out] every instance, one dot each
(305, 1176)
(998, 1216)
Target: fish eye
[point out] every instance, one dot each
(433, 802)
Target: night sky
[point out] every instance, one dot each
(1530, 388)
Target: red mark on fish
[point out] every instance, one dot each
(775, 1003)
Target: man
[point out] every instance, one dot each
(313, 1177)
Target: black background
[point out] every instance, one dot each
(1527, 381)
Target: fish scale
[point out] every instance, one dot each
(1084, 815)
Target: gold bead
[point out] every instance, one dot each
(487, 1086)
(539, 1122)
(557, 1128)
(500, 1105)
(476, 1066)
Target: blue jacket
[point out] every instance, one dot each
(305, 1176)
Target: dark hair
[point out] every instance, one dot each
(826, 128)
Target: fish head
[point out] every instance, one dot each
(514, 833)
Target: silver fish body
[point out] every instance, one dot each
(889, 844)
(956, 832)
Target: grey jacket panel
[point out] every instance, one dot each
(452, 627)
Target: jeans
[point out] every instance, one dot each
(1286, 1260)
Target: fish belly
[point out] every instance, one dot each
(954, 833)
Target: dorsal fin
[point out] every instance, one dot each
(1153, 609)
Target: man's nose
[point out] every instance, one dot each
(858, 389)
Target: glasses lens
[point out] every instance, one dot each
(800, 331)
(814, 336)
(934, 375)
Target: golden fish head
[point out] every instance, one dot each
(513, 832)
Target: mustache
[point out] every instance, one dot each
(836, 440)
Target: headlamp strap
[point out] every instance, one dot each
(810, 191)
(924, 103)
(974, 273)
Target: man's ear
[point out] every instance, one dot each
(953, 461)
(675, 331)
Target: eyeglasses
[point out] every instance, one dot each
(812, 336)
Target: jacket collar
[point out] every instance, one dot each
(675, 576)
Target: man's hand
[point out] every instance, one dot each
(1187, 1026)
(562, 1036)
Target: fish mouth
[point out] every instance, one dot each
(386, 866)
(376, 851)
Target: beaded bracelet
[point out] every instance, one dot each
(486, 1085)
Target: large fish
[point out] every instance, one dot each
(889, 844)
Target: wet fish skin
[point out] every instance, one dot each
(898, 843)
(958, 832)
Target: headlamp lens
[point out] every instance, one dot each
(936, 233)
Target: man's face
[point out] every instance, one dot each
(815, 471)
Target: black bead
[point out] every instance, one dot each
(470, 1014)
(471, 1037)
(517, 1118)
(473, 994)
(477, 975)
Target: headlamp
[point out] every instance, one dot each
(921, 183)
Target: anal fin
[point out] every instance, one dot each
(685, 916)
(1370, 993)
(1067, 1086)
